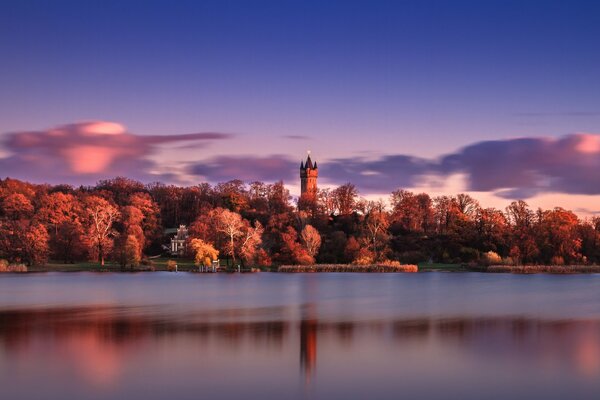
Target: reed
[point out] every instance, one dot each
(544, 269)
(348, 268)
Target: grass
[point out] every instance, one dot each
(159, 264)
(348, 268)
(426, 266)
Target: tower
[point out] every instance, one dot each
(308, 178)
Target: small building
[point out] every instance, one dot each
(178, 241)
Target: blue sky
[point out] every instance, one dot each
(353, 78)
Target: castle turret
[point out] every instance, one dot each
(308, 178)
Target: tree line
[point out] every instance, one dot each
(259, 224)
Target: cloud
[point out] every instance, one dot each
(247, 168)
(296, 137)
(82, 153)
(380, 175)
(528, 166)
(85, 152)
(512, 168)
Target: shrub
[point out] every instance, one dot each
(6, 267)
(364, 257)
(491, 258)
(171, 266)
(508, 261)
(557, 260)
(390, 263)
(17, 268)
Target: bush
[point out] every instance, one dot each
(171, 266)
(390, 263)
(491, 258)
(557, 260)
(17, 268)
(508, 261)
(6, 267)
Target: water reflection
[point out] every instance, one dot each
(98, 343)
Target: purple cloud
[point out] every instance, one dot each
(524, 167)
(85, 152)
(381, 175)
(248, 168)
(513, 168)
(296, 137)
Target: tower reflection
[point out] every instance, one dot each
(308, 344)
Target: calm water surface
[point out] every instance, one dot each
(299, 336)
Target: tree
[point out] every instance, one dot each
(311, 239)
(230, 224)
(61, 213)
(291, 250)
(558, 237)
(345, 198)
(133, 251)
(100, 217)
(376, 224)
(24, 241)
(251, 239)
(150, 222)
(204, 253)
(16, 206)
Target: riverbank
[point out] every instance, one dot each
(183, 265)
(349, 268)
(544, 269)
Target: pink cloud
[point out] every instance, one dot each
(87, 151)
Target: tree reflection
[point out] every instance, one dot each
(99, 340)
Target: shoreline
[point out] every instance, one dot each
(186, 266)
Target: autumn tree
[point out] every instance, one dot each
(558, 238)
(150, 222)
(345, 199)
(523, 245)
(100, 215)
(16, 206)
(292, 251)
(204, 253)
(229, 224)
(251, 239)
(375, 227)
(132, 251)
(24, 241)
(311, 240)
(62, 213)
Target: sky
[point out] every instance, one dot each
(500, 99)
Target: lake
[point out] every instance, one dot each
(299, 336)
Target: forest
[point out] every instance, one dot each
(258, 224)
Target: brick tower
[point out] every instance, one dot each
(308, 178)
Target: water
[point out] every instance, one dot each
(299, 336)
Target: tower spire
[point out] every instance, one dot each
(308, 177)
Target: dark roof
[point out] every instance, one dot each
(301, 164)
(309, 163)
